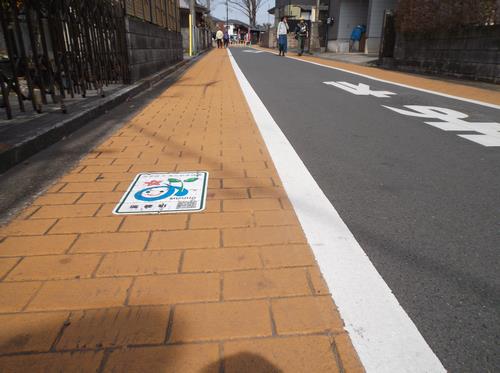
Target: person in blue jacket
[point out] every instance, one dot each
(356, 35)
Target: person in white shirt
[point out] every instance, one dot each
(281, 34)
(219, 36)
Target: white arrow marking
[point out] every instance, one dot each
(360, 89)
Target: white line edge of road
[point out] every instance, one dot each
(398, 84)
(383, 335)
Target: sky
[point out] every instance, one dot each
(219, 11)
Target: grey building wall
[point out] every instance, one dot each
(204, 39)
(349, 13)
(352, 13)
(185, 38)
(334, 13)
(282, 3)
(375, 23)
(151, 48)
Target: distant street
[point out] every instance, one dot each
(415, 176)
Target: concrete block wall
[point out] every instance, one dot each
(466, 53)
(270, 40)
(151, 48)
(204, 39)
(185, 38)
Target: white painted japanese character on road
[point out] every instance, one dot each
(360, 89)
(452, 120)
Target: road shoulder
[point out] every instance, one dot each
(411, 80)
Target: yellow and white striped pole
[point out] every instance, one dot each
(190, 35)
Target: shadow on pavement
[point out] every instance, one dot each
(243, 362)
(121, 339)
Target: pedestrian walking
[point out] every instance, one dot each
(301, 34)
(282, 36)
(219, 36)
(226, 39)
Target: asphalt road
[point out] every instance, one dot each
(423, 203)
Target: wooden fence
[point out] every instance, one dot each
(164, 13)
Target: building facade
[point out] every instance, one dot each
(296, 9)
(203, 36)
(348, 14)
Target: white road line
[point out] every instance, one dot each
(382, 333)
(482, 103)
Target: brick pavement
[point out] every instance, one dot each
(82, 290)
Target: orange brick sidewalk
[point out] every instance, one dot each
(82, 290)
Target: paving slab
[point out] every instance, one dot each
(233, 287)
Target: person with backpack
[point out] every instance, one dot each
(281, 34)
(301, 34)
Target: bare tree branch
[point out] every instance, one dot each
(249, 8)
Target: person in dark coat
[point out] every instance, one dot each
(301, 34)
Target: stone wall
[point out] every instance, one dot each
(151, 48)
(467, 53)
(268, 39)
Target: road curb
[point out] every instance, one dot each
(31, 145)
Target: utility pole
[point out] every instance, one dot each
(227, 13)
(192, 15)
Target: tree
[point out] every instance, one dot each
(248, 8)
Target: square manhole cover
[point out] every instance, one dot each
(161, 193)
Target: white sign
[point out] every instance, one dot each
(360, 89)
(452, 120)
(159, 193)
